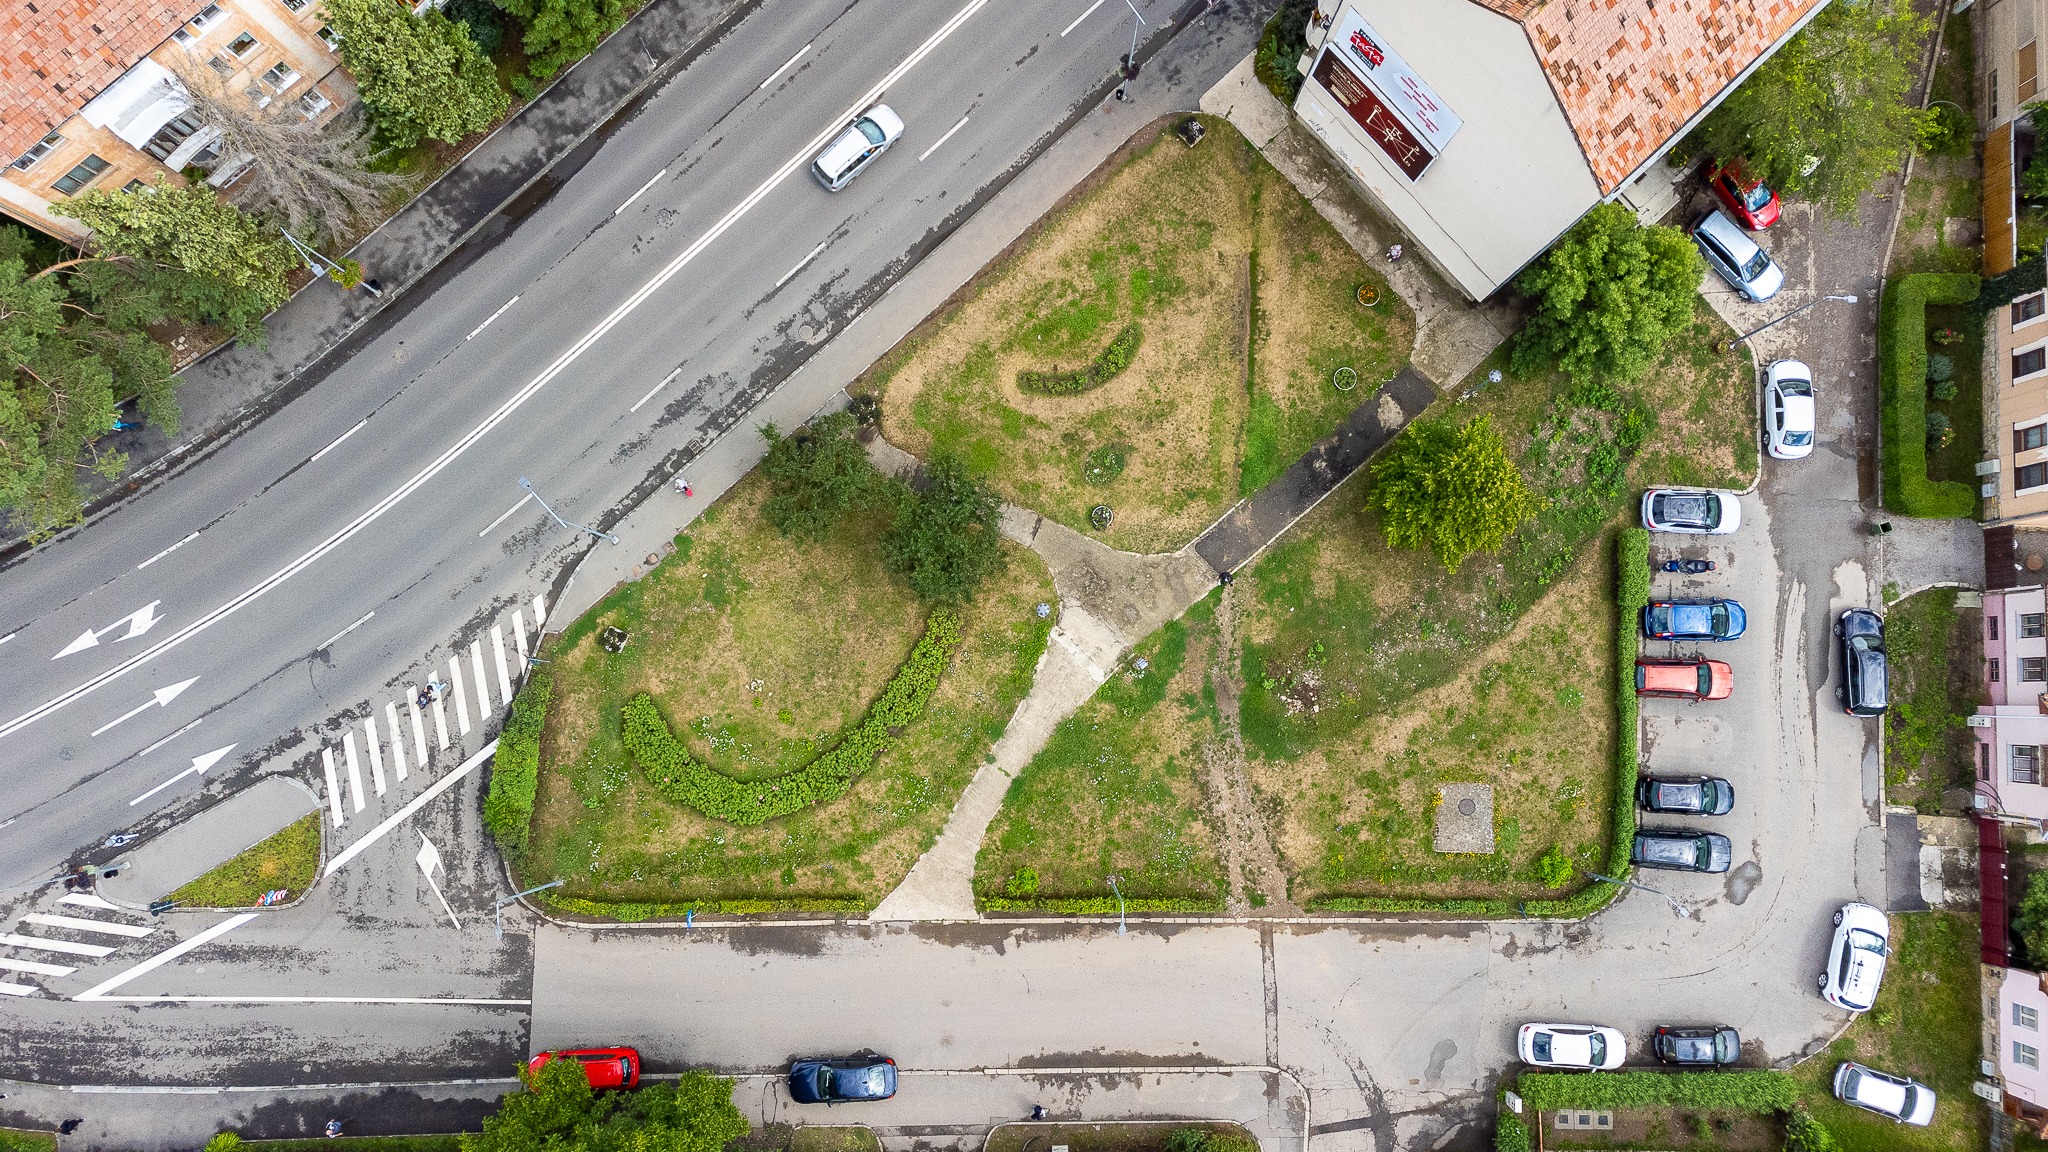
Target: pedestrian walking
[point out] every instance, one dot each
(1224, 578)
(333, 1129)
(1394, 254)
(683, 486)
(1038, 1111)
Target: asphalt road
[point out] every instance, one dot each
(641, 309)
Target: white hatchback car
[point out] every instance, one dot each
(1709, 512)
(1856, 958)
(1788, 410)
(853, 150)
(1904, 1100)
(1575, 1046)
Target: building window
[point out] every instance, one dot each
(313, 103)
(40, 149)
(2028, 307)
(2030, 625)
(1992, 88)
(2028, 439)
(242, 45)
(222, 64)
(329, 37)
(207, 15)
(295, 5)
(2029, 362)
(2034, 669)
(280, 76)
(2026, 1017)
(171, 135)
(2026, 763)
(2026, 1055)
(2027, 72)
(2029, 476)
(135, 186)
(1991, 627)
(88, 169)
(1984, 760)
(1991, 668)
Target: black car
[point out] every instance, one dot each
(1690, 795)
(866, 1076)
(1865, 689)
(1682, 849)
(1716, 1045)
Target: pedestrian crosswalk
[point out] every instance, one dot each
(376, 756)
(64, 942)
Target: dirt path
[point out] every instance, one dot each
(1256, 879)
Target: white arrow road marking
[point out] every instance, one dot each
(161, 699)
(139, 621)
(418, 802)
(199, 766)
(164, 957)
(430, 859)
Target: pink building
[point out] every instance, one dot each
(2012, 731)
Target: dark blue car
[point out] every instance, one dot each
(1694, 620)
(867, 1076)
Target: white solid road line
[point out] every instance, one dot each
(483, 690)
(94, 950)
(942, 139)
(329, 642)
(498, 655)
(355, 770)
(501, 309)
(397, 740)
(502, 517)
(171, 737)
(35, 967)
(615, 212)
(511, 404)
(658, 387)
(164, 957)
(89, 900)
(1081, 17)
(801, 264)
(452, 1001)
(461, 698)
(787, 64)
(519, 636)
(333, 792)
(79, 924)
(336, 442)
(418, 802)
(376, 748)
(419, 731)
(7, 989)
(440, 727)
(189, 537)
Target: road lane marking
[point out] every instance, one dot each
(653, 390)
(161, 698)
(35, 967)
(403, 814)
(942, 140)
(338, 439)
(78, 924)
(376, 752)
(333, 791)
(199, 766)
(7, 989)
(139, 621)
(498, 654)
(519, 636)
(355, 771)
(90, 900)
(459, 1001)
(419, 731)
(189, 537)
(507, 513)
(515, 299)
(440, 726)
(483, 687)
(171, 737)
(164, 957)
(504, 411)
(329, 642)
(785, 66)
(615, 212)
(94, 950)
(461, 697)
(397, 739)
(1081, 17)
(802, 263)
(540, 615)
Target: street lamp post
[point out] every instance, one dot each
(1120, 930)
(1787, 316)
(528, 485)
(504, 900)
(1682, 910)
(321, 265)
(1128, 71)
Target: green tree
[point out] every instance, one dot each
(816, 476)
(945, 539)
(419, 76)
(1608, 295)
(1831, 113)
(558, 1112)
(1452, 489)
(561, 32)
(233, 266)
(2030, 921)
(222, 1142)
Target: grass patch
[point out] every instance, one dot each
(447, 1143)
(1945, 186)
(1246, 302)
(760, 651)
(1142, 1137)
(1924, 1025)
(1902, 395)
(21, 1140)
(1957, 460)
(289, 859)
(1936, 650)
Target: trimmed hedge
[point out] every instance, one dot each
(1113, 360)
(633, 912)
(1632, 594)
(1510, 1134)
(1096, 905)
(1390, 904)
(515, 767)
(1744, 1091)
(2024, 277)
(1902, 394)
(680, 777)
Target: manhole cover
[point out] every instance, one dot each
(1467, 807)
(807, 333)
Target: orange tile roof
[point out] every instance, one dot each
(57, 54)
(1630, 73)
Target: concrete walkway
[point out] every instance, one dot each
(192, 849)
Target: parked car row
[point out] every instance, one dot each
(830, 1080)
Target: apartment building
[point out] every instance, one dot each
(2013, 477)
(89, 96)
(2010, 33)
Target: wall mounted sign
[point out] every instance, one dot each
(1389, 101)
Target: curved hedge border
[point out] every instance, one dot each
(1902, 394)
(680, 777)
(633, 912)
(1753, 1091)
(515, 767)
(1096, 905)
(1113, 360)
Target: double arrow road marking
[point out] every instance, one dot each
(139, 621)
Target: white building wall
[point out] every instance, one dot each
(2023, 1034)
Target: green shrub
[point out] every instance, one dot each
(1105, 367)
(1392, 905)
(1902, 352)
(1632, 583)
(634, 912)
(1756, 1092)
(1280, 46)
(1098, 905)
(515, 767)
(1939, 367)
(1185, 1140)
(1939, 430)
(1803, 1133)
(2030, 920)
(680, 777)
(1022, 883)
(1554, 868)
(946, 538)
(1943, 391)
(1510, 1134)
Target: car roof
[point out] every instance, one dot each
(840, 155)
(1875, 1088)
(1798, 413)
(1729, 235)
(1679, 677)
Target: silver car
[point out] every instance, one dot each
(849, 153)
(1748, 268)
(1904, 1100)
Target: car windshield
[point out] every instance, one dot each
(1598, 1045)
(1703, 854)
(1724, 1047)
(1866, 941)
(1756, 197)
(871, 130)
(824, 1083)
(1709, 796)
(1798, 439)
(1755, 267)
(1720, 617)
(1706, 679)
(1794, 386)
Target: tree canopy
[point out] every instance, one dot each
(817, 476)
(945, 540)
(420, 77)
(1608, 295)
(1831, 113)
(1449, 488)
(561, 32)
(558, 1112)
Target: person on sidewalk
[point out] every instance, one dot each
(1394, 254)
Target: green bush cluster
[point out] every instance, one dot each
(1281, 44)
(1389, 904)
(1204, 1140)
(1576, 906)
(680, 777)
(1105, 367)
(1803, 1133)
(1902, 394)
(1510, 1134)
(1098, 905)
(1632, 588)
(515, 767)
(634, 911)
(1755, 1091)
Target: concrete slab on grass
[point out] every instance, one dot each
(1464, 818)
(187, 851)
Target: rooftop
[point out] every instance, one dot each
(57, 54)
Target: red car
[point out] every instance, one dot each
(1744, 195)
(606, 1067)
(1689, 679)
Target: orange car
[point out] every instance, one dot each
(605, 1067)
(1690, 679)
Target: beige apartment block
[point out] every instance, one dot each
(2016, 412)
(89, 95)
(2011, 35)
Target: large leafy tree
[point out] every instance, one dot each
(2030, 921)
(1450, 488)
(817, 476)
(420, 76)
(561, 32)
(945, 540)
(559, 1113)
(1831, 113)
(1608, 295)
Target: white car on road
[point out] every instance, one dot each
(1906, 1101)
(1788, 410)
(1572, 1046)
(853, 150)
(1710, 512)
(1856, 958)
